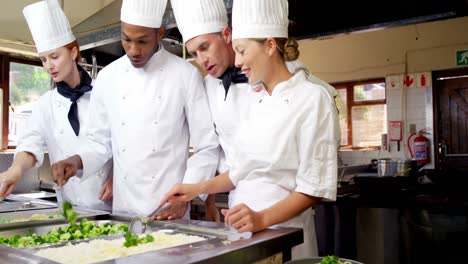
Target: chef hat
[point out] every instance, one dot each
(198, 17)
(145, 13)
(260, 19)
(48, 25)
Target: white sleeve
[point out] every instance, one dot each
(32, 137)
(97, 149)
(202, 164)
(317, 141)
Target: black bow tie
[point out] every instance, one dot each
(74, 95)
(232, 75)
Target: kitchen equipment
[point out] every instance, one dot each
(215, 249)
(389, 167)
(139, 223)
(317, 260)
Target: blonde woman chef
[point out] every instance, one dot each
(287, 145)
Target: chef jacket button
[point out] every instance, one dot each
(125, 177)
(155, 122)
(220, 82)
(159, 97)
(61, 131)
(123, 150)
(124, 97)
(260, 101)
(154, 150)
(286, 101)
(153, 177)
(123, 123)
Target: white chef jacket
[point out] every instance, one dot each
(48, 129)
(228, 112)
(144, 118)
(288, 143)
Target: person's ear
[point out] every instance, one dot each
(226, 34)
(270, 46)
(74, 53)
(160, 33)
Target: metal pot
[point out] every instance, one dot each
(389, 167)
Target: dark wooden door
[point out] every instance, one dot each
(451, 104)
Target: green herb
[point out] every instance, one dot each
(331, 260)
(69, 213)
(132, 240)
(86, 229)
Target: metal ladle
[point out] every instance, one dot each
(139, 223)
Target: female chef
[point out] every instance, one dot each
(59, 118)
(287, 144)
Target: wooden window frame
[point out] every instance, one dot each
(350, 103)
(5, 61)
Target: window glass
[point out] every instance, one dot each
(341, 104)
(369, 123)
(27, 84)
(368, 92)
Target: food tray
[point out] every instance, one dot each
(88, 213)
(14, 206)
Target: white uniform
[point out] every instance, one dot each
(227, 114)
(288, 143)
(49, 130)
(145, 118)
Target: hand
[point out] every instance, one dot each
(8, 181)
(106, 190)
(244, 219)
(173, 211)
(181, 193)
(65, 169)
(211, 212)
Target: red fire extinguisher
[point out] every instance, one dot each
(419, 148)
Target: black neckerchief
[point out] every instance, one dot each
(232, 75)
(74, 94)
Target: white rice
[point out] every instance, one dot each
(100, 249)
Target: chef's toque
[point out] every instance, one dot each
(198, 17)
(145, 13)
(48, 24)
(260, 19)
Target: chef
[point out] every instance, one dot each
(286, 148)
(59, 121)
(147, 107)
(207, 36)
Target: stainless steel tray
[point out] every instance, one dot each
(216, 249)
(14, 206)
(82, 213)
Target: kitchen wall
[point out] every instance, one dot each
(390, 53)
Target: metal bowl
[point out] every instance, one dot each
(316, 260)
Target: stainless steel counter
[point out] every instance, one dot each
(216, 249)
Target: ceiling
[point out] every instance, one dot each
(96, 22)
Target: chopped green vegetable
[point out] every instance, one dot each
(86, 229)
(132, 240)
(69, 213)
(332, 260)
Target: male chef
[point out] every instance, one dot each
(147, 107)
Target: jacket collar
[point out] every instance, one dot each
(288, 85)
(157, 60)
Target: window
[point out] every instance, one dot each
(363, 113)
(27, 81)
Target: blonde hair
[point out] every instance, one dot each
(288, 48)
